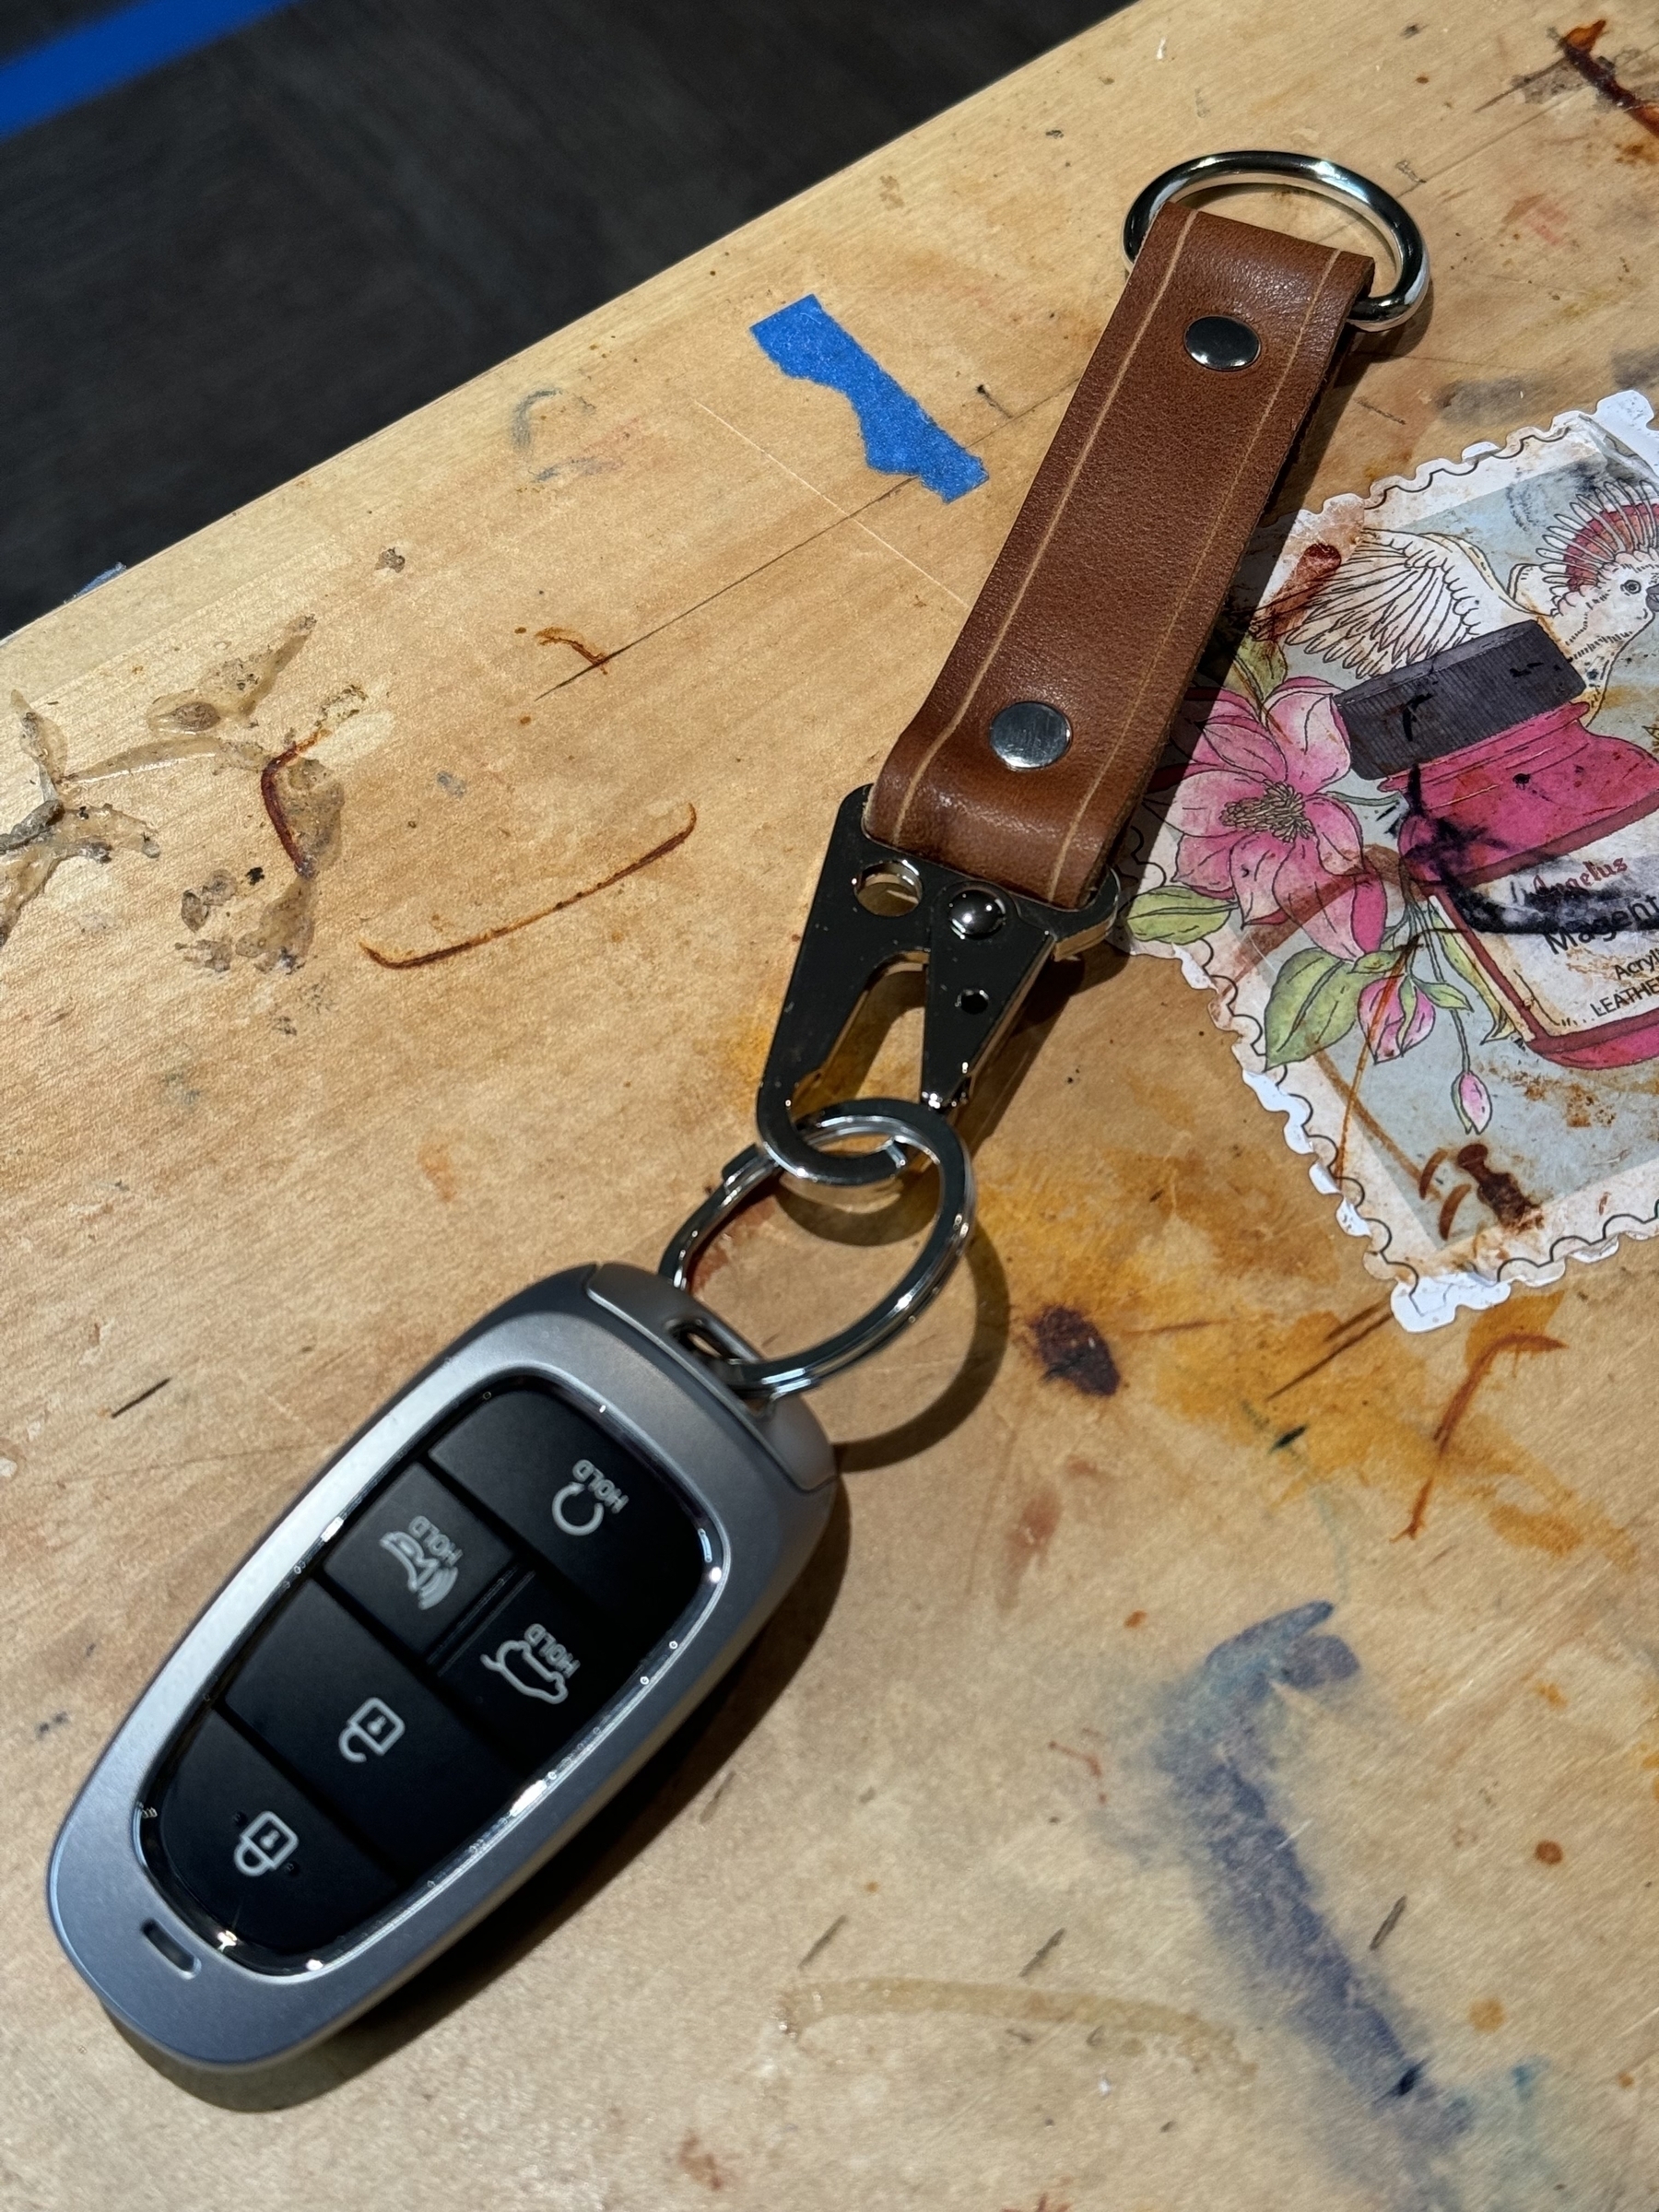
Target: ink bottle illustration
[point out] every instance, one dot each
(1538, 839)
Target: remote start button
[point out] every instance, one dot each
(374, 1744)
(416, 1559)
(256, 1854)
(583, 1500)
(537, 1670)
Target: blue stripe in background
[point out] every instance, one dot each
(78, 65)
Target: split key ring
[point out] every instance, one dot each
(909, 1129)
(1305, 172)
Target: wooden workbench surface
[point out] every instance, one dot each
(944, 1904)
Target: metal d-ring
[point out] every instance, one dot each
(909, 1129)
(1377, 311)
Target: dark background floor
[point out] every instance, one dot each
(235, 266)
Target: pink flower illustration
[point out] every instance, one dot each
(1473, 1101)
(1393, 1016)
(1258, 825)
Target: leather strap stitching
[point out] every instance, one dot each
(1154, 660)
(1056, 517)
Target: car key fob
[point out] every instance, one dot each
(477, 1623)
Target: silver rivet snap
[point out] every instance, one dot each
(1030, 734)
(976, 912)
(1222, 342)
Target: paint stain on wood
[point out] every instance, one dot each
(1492, 1337)
(1301, 1341)
(1577, 48)
(1481, 400)
(63, 827)
(1486, 2015)
(1343, 1336)
(1548, 1854)
(301, 799)
(590, 653)
(1084, 1758)
(128, 1404)
(434, 1163)
(306, 798)
(383, 958)
(304, 804)
(1071, 1349)
(197, 907)
(1025, 1541)
(1497, 1189)
(224, 696)
(701, 2165)
(1120, 2026)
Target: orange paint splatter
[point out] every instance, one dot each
(1027, 1540)
(1548, 1854)
(1303, 1341)
(1576, 48)
(590, 653)
(438, 1168)
(1483, 1349)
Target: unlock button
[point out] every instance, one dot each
(364, 1734)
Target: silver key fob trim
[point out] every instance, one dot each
(759, 1485)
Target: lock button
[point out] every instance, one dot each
(256, 1854)
(361, 1730)
(582, 1501)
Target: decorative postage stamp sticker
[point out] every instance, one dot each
(1406, 833)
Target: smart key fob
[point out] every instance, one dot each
(477, 1623)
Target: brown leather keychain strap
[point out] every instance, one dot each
(1100, 601)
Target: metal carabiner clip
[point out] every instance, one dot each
(982, 947)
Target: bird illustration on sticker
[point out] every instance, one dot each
(1400, 597)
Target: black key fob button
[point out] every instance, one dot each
(536, 1670)
(416, 1559)
(256, 1854)
(365, 1734)
(583, 1500)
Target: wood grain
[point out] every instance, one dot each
(1049, 1850)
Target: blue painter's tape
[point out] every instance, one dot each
(95, 57)
(899, 436)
